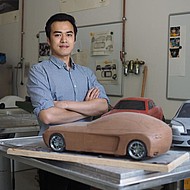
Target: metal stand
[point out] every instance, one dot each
(5, 173)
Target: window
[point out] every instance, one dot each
(130, 104)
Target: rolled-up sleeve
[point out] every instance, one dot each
(38, 89)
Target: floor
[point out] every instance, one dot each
(27, 179)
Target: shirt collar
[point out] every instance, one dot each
(59, 63)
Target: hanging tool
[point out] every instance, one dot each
(137, 65)
(145, 71)
(133, 66)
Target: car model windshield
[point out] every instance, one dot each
(185, 111)
(130, 104)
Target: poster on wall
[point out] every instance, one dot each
(80, 5)
(175, 42)
(43, 47)
(106, 71)
(102, 43)
(177, 38)
(9, 11)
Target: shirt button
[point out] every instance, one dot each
(75, 86)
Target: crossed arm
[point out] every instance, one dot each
(70, 111)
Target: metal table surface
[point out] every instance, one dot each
(103, 177)
(16, 120)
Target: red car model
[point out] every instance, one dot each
(139, 105)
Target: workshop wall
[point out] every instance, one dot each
(146, 39)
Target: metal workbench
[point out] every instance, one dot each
(103, 177)
(16, 120)
(13, 121)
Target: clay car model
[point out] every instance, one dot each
(137, 136)
(139, 105)
(180, 125)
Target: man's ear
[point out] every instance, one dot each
(48, 41)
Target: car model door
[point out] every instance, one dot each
(96, 140)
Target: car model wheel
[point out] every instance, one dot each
(57, 142)
(137, 150)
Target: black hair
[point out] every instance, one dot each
(60, 17)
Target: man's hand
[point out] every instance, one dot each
(61, 104)
(93, 93)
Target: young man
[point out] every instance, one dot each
(62, 91)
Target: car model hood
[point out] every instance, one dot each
(181, 121)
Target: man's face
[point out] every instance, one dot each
(62, 39)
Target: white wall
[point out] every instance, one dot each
(146, 39)
(147, 33)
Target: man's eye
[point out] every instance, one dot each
(70, 34)
(57, 35)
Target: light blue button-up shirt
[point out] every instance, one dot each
(50, 81)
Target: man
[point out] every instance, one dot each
(60, 90)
